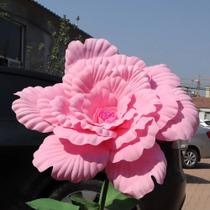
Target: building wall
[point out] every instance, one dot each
(36, 35)
(207, 92)
(38, 25)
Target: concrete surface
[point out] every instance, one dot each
(198, 187)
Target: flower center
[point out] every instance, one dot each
(107, 116)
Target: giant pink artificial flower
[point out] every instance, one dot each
(107, 114)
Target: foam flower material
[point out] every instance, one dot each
(107, 114)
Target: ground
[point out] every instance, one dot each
(198, 187)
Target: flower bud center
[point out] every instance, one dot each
(107, 116)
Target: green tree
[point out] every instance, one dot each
(61, 38)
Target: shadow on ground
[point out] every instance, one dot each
(196, 180)
(200, 165)
(203, 166)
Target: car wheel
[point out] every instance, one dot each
(190, 159)
(89, 190)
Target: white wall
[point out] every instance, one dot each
(204, 114)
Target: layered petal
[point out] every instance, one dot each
(81, 137)
(89, 106)
(137, 79)
(135, 178)
(92, 48)
(184, 123)
(161, 75)
(99, 130)
(169, 105)
(32, 112)
(115, 86)
(131, 145)
(124, 60)
(163, 82)
(68, 161)
(84, 81)
(147, 102)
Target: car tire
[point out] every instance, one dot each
(190, 158)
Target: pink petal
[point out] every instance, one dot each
(130, 149)
(79, 101)
(147, 102)
(115, 86)
(134, 178)
(76, 70)
(124, 60)
(130, 69)
(56, 111)
(169, 105)
(80, 106)
(92, 48)
(123, 104)
(79, 136)
(147, 135)
(103, 96)
(125, 135)
(121, 122)
(87, 106)
(134, 128)
(85, 75)
(184, 125)
(130, 152)
(70, 162)
(99, 130)
(99, 48)
(84, 82)
(97, 68)
(29, 112)
(161, 75)
(136, 77)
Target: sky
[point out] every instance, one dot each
(176, 33)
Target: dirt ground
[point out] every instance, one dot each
(198, 187)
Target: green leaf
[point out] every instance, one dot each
(86, 204)
(51, 204)
(116, 200)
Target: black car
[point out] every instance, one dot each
(20, 180)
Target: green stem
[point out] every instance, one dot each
(103, 194)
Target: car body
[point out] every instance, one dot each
(195, 149)
(20, 181)
(205, 123)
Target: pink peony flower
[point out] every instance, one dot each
(107, 115)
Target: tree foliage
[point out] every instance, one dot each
(61, 38)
